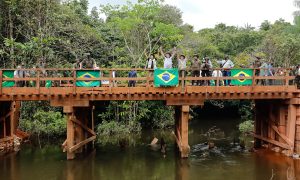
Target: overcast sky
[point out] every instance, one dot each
(207, 13)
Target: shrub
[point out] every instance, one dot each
(246, 126)
(45, 124)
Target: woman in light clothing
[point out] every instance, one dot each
(168, 62)
(217, 73)
(151, 63)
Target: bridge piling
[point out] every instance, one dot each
(181, 129)
(79, 133)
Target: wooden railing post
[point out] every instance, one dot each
(148, 78)
(74, 81)
(218, 78)
(253, 78)
(182, 80)
(38, 81)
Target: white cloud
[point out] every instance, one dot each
(208, 13)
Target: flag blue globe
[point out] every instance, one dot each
(166, 77)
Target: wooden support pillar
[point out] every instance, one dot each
(182, 120)
(291, 124)
(79, 133)
(282, 122)
(69, 110)
(14, 116)
(297, 137)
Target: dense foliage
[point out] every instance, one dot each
(57, 33)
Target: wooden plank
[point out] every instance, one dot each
(70, 135)
(291, 123)
(283, 145)
(84, 127)
(82, 143)
(6, 139)
(184, 124)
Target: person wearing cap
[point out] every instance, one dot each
(182, 65)
(206, 70)
(196, 69)
(87, 62)
(226, 65)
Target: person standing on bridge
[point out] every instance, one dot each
(297, 78)
(19, 73)
(151, 62)
(182, 65)
(132, 74)
(206, 70)
(168, 61)
(196, 69)
(226, 65)
(263, 72)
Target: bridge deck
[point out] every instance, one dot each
(116, 89)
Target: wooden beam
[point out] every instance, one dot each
(291, 123)
(184, 102)
(84, 127)
(69, 102)
(82, 143)
(283, 145)
(70, 136)
(184, 124)
(285, 138)
(6, 139)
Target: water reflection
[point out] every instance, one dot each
(226, 160)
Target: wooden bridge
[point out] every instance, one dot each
(277, 104)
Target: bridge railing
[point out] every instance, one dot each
(118, 77)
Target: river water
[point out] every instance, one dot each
(139, 161)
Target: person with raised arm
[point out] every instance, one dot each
(168, 62)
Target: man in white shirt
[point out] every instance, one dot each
(226, 65)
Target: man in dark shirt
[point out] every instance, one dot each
(132, 74)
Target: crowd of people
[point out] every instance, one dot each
(197, 68)
(204, 68)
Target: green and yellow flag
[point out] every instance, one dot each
(87, 74)
(8, 74)
(165, 77)
(241, 73)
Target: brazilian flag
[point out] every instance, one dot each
(165, 77)
(8, 74)
(241, 73)
(87, 74)
(48, 84)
